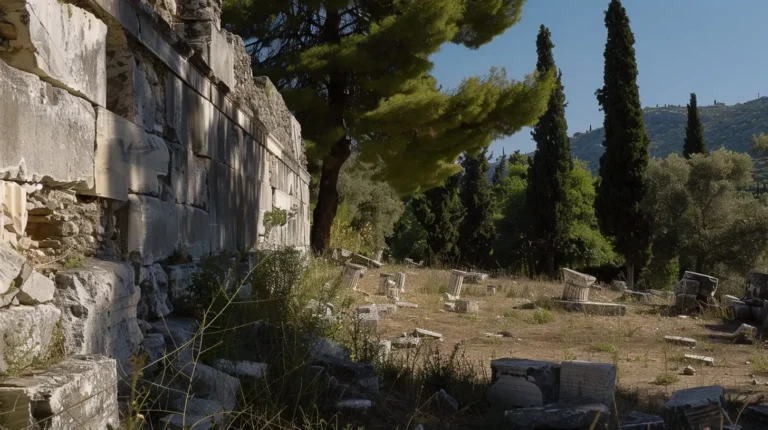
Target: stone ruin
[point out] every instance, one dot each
(575, 295)
(695, 291)
(134, 141)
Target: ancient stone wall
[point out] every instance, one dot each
(134, 141)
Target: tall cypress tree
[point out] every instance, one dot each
(500, 170)
(440, 212)
(694, 134)
(546, 199)
(477, 232)
(624, 163)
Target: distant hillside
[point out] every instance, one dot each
(724, 126)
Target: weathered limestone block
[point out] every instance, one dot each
(151, 228)
(455, 283)
(127, 159)
(476, 277)
(226, 197)
(80, 392)
(154, 302)
(215, 47)
(209, 383)
(757, 285)
(11, 264)
(641, 421)
(98, 306)
(707, 284)
(181, 341)
(383, 287)
(369, 321)
(62, 44)
(189, 176)
(686, 303)
(400, 281)
(544, 375)
(697, 407)
(62, 127)
(28, 333)
(191, 116)
(583, 380)
(352, 274)
(467, 306)
(36, 289)
(13, 208)
(242, 369)
(687, 286)
(199, 10)
(576, 285)
(560, 416)
(179, 283)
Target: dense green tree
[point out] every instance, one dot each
(623, 166)
(499, 170)
(700, 204)
(477, 232)
(694, 133)
(357, 74)
(409, 239)
(440, 213)
(546, 200)
(372, 203)
(512, 250)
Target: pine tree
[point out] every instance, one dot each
(440, 212)
(357, 74)
(546, 198)
(694, 134)
(477, 232)
(624, 163)
(500, 170)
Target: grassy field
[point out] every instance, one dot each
(649, 368)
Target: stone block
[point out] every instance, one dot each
(707, 284)
(406, 305)
(181, 342)
(194, 231)
(369, 322)
(740, 310)
(467, 306)
(697, 407)
(80, 392)
(641, 421)
(406, 342)
(211, 384)
(189, 176)
(61, 43)
(191, 116)
(577, 278)
(687, 286)
(216, 49)
(225, 197)
(582, 380)
(28, 334)
(686, 303)
(701, 359)
(677, 340)
(545, 375)
(757, 285)
(13, 208)
(595, 308)
(476, 277)
(99, 304)
(560, 416)
(241, 369)
(11, 265)
(179, 283)
(153, 345)
(127, 159)
(154, 301)
(151, 228)
(420, 332)
(513, 392)
(745, 334)
(35, 290)
(62, 127)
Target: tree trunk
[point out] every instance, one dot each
(551, 262)
(630, 275)
(328, 196)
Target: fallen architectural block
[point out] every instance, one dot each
(99, 306)
(515, 373)
(387, 308)
(696, 408)
(476, 277)
(449, 306)
(406, 305)
(740, 310)
(420, 332)
(757, 285)
(352, 274)
(707, 284)
(365, 261)
(582, 381)
(393, 292)
(560, 416)
(80, 392)
(491, 290)
(594, 307)
(369, 322)
(180, 334)
(35, 290)
(13, 209)
(406, 342)
(639, 296)
(467, 306)
(576, 285)
(11, 263)
(400, 281)
(709, 361)
(687, 303)
(357, 406)
(641, 421)
(154, 302)
(27, 334)
(687, 286)
(745, 334)
(368, 309)
(686, 341)
(455, 282)
(384, 283)
(241, 369)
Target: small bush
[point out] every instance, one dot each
(543, 316)
(759, 364)
(605, 347)
(665, 379)
(75, 261)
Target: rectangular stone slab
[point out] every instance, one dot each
(709, 361)
(595, 307)
(584, 381)
(680, 340)
(80, 392)
(705, 404)
(26, 335)
(46, 134)
(60, 43)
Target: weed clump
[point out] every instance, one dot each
(542, 316)
(666, 378)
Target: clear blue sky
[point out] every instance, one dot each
(714, 48)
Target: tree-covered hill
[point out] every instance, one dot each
(724, 126)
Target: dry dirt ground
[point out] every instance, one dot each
(634, 342)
